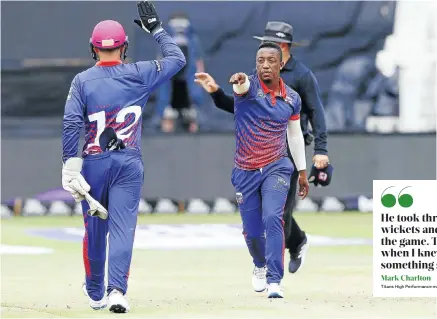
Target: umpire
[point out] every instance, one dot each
(302, 80)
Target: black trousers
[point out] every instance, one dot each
(293, 234)
(180, 98)
(181, 102)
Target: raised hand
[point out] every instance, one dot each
(206, 81)
(149, 19)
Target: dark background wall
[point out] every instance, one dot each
(335, 30)
(184, 167)
(62, 29)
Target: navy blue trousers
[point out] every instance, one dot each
(116, 179)
(261, 195)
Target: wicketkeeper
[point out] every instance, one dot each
(107, 178)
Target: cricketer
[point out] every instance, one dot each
(302, 80)
(266, 111)
(107, 178)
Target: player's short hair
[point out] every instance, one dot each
(110, 50)
(271, 45)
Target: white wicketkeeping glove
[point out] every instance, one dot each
(74, 183)
(72, 180)
(77, 197)
(96, 209)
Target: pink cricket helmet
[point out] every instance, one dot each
(108, 34)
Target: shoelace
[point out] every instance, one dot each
(260, 273)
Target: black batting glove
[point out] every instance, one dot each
(149, 19)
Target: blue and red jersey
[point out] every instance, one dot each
(261, 121)
(113, 94)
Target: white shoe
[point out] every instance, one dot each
(274, 291)
(117, 302)
(259, 280)
(96, 305)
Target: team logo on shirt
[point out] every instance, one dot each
(260, 93)
(289, 100)
(239, 198)
(69, 94)
(158, 65)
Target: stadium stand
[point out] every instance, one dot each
(342, 48)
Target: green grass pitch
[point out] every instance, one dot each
(336, 281)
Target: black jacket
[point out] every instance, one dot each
(297, 76)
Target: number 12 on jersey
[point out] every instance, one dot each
(124, 133)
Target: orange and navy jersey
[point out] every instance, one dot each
(261, 120)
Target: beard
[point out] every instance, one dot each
(267, 81)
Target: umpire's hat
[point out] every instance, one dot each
(321, 176)
(277, 31)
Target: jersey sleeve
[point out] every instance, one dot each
(73, 120)
(153, 73)
(223, 101)
(296, 108)
(316, 113)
